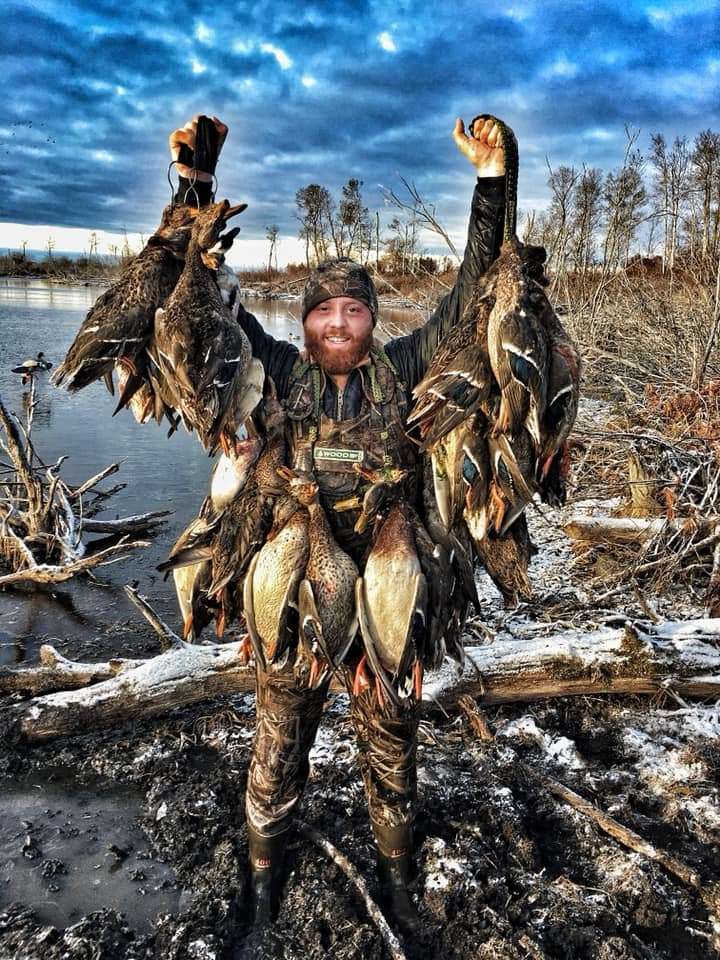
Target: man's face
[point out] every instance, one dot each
(338, 334)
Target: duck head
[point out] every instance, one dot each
(208, 231)
(386, 488)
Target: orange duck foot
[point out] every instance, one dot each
(418, 679)
(361, 681)
(187, 626)
(245, 650)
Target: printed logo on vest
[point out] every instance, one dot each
(336, 453)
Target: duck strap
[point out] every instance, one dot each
(512, 166)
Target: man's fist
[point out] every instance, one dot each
(186, 135)
(483, 146)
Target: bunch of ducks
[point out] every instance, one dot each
(491, 418)
(164, 333)
(494, 413)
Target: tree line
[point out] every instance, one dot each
(662, 202)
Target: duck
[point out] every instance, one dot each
(326, 592)
(28, 368)
(190, 559)
(202, 357)
(272, 582)
(394, 623)
(506, 558)
(113, 338)
(459, 381)
(563, 397)
(248, 520)
(517, 346)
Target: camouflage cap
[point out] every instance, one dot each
(339, 278)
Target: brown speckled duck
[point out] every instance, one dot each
(203, 357)
(326, 592)
(115, 334)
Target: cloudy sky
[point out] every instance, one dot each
(320, 92)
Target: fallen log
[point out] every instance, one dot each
(56, 672)
(631, 529)
(642, 658)
(134, 524)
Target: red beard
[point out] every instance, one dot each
(337, 361)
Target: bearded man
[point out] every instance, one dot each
(347, 398)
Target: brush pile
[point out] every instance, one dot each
(43, 519)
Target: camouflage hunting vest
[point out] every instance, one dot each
(331, 449)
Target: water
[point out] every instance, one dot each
(160, 473)
(68, 849)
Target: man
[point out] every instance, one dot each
(347, 398)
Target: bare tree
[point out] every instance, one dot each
(586, 217)
(562, 184)
(705, 173)
(272, 234)
(315, 213)
(50, 246)
(671, 188)
(422, 212)
(624, 199)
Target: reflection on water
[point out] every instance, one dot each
(160, 473)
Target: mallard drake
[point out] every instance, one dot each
(119, 327)
(517, 346)
(392, 594)
(28, 368)
(203, 357)
(326, 592)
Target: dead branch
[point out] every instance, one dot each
(93, 481)
(57, 573)
(56, 672)
(134, 524)
(168, 637)
(389, 939)
(17, 453)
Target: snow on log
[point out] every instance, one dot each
(629, 529)
(641, 658)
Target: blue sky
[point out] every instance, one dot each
(321, 92)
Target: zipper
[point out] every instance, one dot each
(340, 395)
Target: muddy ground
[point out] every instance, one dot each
(131, 843)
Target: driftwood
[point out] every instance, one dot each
(644, 658)
(42, 519)
(631, 529)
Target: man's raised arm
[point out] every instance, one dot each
(484, 149)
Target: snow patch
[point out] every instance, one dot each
(561, 750)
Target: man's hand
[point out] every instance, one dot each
(483, 147)
(186, 135)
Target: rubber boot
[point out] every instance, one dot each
(267, 858)
(394, 870)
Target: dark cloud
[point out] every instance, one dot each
(104, 84)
